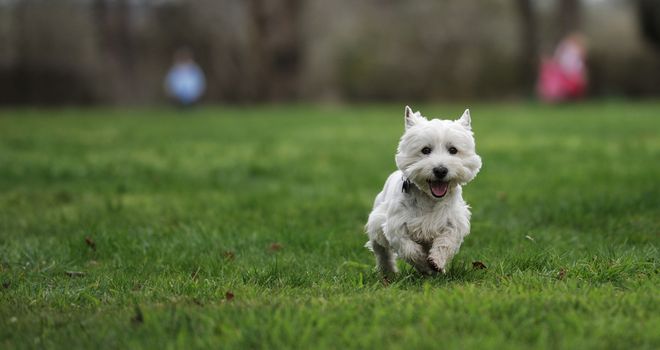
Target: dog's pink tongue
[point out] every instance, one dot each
(439, 188)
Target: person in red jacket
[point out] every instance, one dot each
(564, 75)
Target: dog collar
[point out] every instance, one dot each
(406, 186)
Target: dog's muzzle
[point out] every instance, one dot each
(439, 187)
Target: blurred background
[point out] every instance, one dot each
(118, 52)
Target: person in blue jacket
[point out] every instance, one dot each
(185, 82)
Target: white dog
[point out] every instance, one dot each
(420, 216)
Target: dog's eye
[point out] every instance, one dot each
(426, 150)
(452, 150)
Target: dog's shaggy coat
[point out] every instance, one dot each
(420, 216)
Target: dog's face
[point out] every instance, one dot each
(436, 155)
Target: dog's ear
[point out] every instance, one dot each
(465, 120)
(410, 117)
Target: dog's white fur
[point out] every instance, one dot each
(407, 220)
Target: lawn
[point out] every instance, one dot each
(242, 227)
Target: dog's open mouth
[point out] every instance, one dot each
(439, 188)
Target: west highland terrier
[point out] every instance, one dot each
(420, 216)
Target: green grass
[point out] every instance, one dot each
(268, 203)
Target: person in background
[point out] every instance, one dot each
(564, 75)
(185, 81)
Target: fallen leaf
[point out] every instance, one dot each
(530, 238)
(562, 274)
(275, 247)
(138, 318)
(90, 243)
(501, 196)
(229, 296)
(478, 265)
(74, 273)
(229, 255)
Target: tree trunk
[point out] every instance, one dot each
(529, 50)
(649, 21)
(116, 45)
(569, 17)
(276, 48)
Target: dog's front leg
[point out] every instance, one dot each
(441, 252)
(411, 251)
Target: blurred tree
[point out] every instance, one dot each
(52, 54)
(117, 51)
(649, 20)
(116, 45)
(529, 43)
(276, 47)
(569, 17)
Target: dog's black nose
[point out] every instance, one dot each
(440, 172)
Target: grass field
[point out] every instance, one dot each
(242, 228)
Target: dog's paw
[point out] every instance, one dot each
(422, 266)
(426, 270)
(436, 266)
